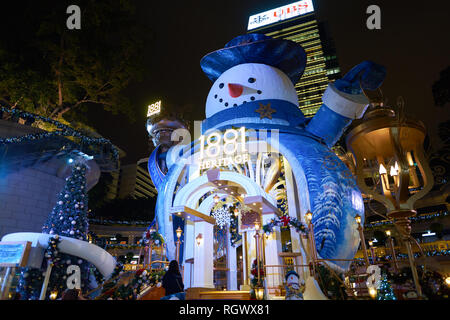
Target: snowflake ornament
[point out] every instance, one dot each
(222, 216)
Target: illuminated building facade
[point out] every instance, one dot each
(135, 181)
(297, 22)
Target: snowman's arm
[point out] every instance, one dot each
(344, 101)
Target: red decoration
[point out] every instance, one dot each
(139, 272)
(285, 219)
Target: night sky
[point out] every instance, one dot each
(412, 44)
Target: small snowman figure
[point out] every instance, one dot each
(294, 290)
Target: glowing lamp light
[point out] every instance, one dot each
(382, 169)
(358, 219)
(370, 243)
(388, 233)
(70, 160)
(393, 172)
(308, 216)
(373, 292)
(53, 295)
(216, 199)
(199, 239)
(447, 281)
(259, 292)
(257, 226)
(236, 212)
(179, 232)
(409, 159)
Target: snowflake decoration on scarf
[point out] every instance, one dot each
(222, 216)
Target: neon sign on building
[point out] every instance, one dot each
(279, 14)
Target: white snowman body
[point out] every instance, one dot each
(249, 82)
(293, 291)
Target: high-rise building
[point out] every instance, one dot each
(297, 22)
(135, 182)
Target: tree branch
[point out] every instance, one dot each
(68, 108)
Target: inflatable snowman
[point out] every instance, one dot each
(254, 78)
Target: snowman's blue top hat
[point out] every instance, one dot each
(285, 55)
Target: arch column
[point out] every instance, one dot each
(198, 225)
(231, 265)
(272, 250)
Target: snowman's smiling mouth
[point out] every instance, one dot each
(236, 91)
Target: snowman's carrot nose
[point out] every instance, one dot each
(235, 90)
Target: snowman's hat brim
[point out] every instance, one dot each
(285, 55)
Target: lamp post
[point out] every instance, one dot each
(391, 246)
(312, 243)
(199, 239)
(363, 241)
(259, 289)
(372, 252)
(385, 141)
(179, 232)
(257, 250)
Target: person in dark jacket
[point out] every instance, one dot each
(173, 282)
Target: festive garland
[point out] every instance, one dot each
(122, 246)
(151, 236)
(130, 291)
(65, 131)
(284, 222)
(412, 219)
(235, 237)
(113, 222)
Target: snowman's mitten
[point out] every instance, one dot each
(344, 101)
(345, 96)
(366, 75)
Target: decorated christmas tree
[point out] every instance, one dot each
(385, 292)
(68, 218)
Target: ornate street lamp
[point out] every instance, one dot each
(178, 232)
(257, 227)
(388, 150)
(199, 239)
(312, 242)
(363, 241)
(391, 246)
(372, 251)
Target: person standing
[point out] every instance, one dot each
(172, 282)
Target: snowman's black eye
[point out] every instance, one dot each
(221, 85)
(259, 91)
(251, 80)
